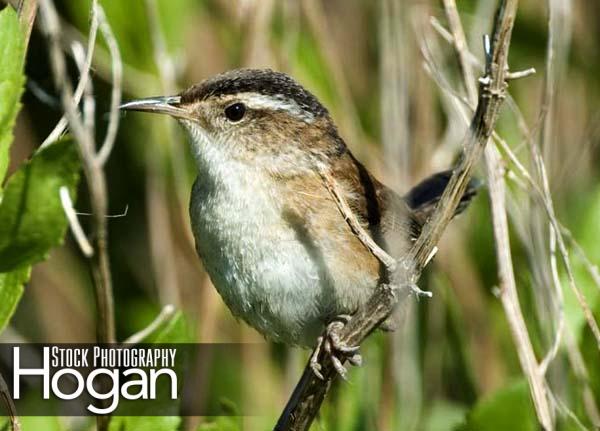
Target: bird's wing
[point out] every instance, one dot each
(386, 213)
(423, 198)
(383, 212)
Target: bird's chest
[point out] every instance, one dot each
(253, 254)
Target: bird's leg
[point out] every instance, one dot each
(337, 350)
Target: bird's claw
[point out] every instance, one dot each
(337, 350)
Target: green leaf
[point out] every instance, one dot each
(46, 423)
(32, 220)
(144, 423)
(222, 423)
(131, 24)
(11, 289)
(443, 416)
(12, 59)
(510, 408)
(586, 232)
(173, 331)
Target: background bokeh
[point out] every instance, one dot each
(377, 66)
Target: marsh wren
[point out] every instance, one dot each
(269, 233)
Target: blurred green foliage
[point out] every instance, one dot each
(145, 423)
(510, 408)
(11, 289)
(32, 220)
(12, 55)
(455, 367)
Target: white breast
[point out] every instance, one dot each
(263, 272)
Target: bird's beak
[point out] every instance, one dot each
(170, 105)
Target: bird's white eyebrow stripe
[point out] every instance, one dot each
(275, 103)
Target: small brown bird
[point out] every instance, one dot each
(268, 231)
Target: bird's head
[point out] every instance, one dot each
(256, 116)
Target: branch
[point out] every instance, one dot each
(91, 160)
(83, 80)
(93, 173)
(6, 399)
(310, 391)
(497, 192)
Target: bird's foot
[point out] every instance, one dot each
(337, 350)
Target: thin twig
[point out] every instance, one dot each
(574, 355)
(448, 37)
(551, 354)
(8, 402)
(165, 314)
(310, 391)
(390, 264)
(509, 296)
(546, 139)
(94, 175)
(585, 307)
(84, 76)
(590, 267)
(573, 351)
(544, 198)
(89, 104)
(135, 81)
(76, 229)
(388, 261)
(115, 96)
(582, 374)
(118, 215)
(497, 193)
(521, 73)
(562, 407)
(461, 49)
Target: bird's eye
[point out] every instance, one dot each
(235, 112)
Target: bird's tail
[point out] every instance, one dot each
(423, 198)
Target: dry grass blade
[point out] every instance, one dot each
(76, 229)
(508, 289)
(115, 99)
(541, 194)
(590, 267)
(509, 296)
